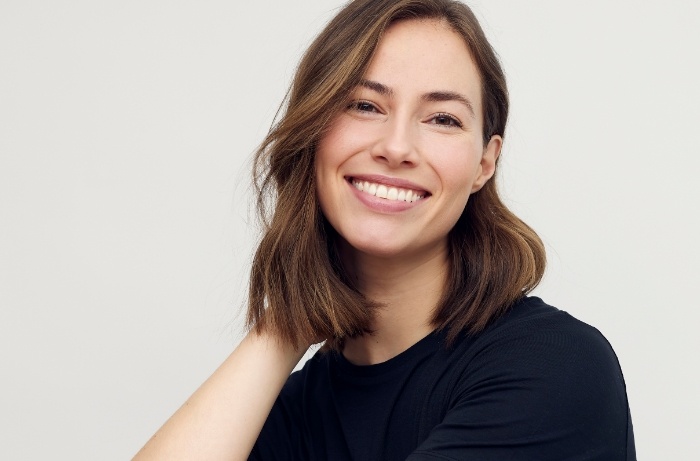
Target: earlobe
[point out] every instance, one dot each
(487, 166)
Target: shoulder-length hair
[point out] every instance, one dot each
(298, 286)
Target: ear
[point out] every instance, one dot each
(487, 166)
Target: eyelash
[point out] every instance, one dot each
(355, 105)
(452, 121)
(366, 106)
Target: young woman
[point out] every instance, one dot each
(386, 239)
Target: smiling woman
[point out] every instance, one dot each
(386, 239)
(399, 135)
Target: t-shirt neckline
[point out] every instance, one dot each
(423, 347)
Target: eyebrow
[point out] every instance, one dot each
(377, 87)
(437, 96)
(433, 96)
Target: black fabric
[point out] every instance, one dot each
(537, 384)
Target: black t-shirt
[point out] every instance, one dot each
(537, 384)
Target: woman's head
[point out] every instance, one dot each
(297, 266)
(395, 167)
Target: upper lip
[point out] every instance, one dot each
(388, 181)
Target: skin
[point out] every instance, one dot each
(417, 117)
(415, 127)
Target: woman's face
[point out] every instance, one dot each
(395, 169)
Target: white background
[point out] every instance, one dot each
(126, 129)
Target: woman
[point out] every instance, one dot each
(388, 241)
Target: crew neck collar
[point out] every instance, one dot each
(422, 348)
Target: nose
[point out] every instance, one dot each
(396, 146)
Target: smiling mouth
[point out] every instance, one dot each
(388, 192)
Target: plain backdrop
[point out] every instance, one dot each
(126, 232)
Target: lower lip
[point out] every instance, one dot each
(383, 205)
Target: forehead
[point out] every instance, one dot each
(421, 56)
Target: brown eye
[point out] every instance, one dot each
(362, 106)
(446, 120)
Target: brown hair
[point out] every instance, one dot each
(298, 287)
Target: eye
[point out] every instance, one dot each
(444, 119)
(362, 106)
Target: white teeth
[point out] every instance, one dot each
(388, 193)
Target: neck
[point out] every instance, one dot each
(408, 291)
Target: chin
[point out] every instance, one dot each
(381, 252)
(391, 249)
(373, 246)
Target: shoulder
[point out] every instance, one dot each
(534, 327)
(534, 338)
(548, 363)
(550, 383)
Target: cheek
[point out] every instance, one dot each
(335, 150)
(328, 158)
(325, 158)
(457, 167)
(321, 177)
(327, 164)
(337, 138)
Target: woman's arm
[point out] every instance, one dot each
(223, 418)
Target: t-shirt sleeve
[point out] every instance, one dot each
(536, 392)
